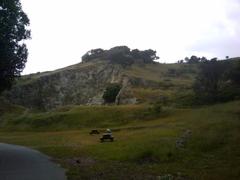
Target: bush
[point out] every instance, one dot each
(217, 81)
(157, 108)
(111, 92)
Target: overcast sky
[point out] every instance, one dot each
(63, 30)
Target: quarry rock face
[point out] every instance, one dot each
(125, 95)
(83, 83)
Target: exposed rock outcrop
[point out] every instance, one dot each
(82, 85)
(125, 95)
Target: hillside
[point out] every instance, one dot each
(85, 83)
(141, 80)
(158, 133)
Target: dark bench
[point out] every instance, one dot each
(106, 136)
(94, 131)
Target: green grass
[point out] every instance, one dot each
(78, 117)
(184, 73)
(173, 82)
(31, 78)
(144, 149)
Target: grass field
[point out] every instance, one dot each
(201, 143)
(162, 82)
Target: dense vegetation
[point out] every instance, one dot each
(217, 81)
(121, 55)
(111, 92)
(13, 52)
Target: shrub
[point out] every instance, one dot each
(157, 108)
(111, 92)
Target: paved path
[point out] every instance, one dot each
(20, 163)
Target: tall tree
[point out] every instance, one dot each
(13, 51)
(210, 80)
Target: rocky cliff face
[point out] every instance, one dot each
(80, 84)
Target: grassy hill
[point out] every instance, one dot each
(158, 82)
(83, 83)
(160, 137)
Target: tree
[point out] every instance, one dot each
(149, 56)
(93, 54)
(194, 59)
(121, 55)
(146, 56)
(214, 59)
(180, 61)
(209, 81)
(234, 74)
(203, 59)
(217, 81)
(13, 51)
(121, 58)
(186, 59)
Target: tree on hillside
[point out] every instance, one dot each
(210, 80)
(121, 58)
(92, 54)
(234, 74)
(203, 59)
(194, 59)
(121, 55)
(13, 52)
(149, 56)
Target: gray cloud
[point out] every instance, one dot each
(224, 37)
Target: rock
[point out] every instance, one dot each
(125, 95)
(182, 140)
(97, 100)
(74, 85)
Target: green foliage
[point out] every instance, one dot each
(13, 52)
(234, 74)
(147, 56)
(157, 107)
(209, 80)
(77, 117)
(217, 81)
(111, 92)
(92, 54)
(194, 60)
(121, 55)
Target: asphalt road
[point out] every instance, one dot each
(20, 163)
